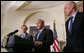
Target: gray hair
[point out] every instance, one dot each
(74, 4)
(42, 21)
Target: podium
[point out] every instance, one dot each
(22, 45)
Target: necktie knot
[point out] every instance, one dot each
(71, 17)
(38, 31)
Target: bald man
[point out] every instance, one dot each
(74, 28)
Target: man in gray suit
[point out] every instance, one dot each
(20, 41)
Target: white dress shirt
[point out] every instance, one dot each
(23, 35)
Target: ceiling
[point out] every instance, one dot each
(28, 5)
(43, 4)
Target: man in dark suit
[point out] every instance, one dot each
(74, 28)
(44, 37)
(21, 43)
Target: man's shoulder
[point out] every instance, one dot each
(46, 29)
(80, 13)
(28, 34)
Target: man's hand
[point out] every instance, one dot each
(37, 43)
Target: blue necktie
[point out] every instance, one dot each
(70, 28)
(38, 35)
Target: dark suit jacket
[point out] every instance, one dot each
(75, 41)
(46, 37)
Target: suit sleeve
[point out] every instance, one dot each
(49, 38)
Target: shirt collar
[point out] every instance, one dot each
(41, 29)
(74, 14)
(24, 33)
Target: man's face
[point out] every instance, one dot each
(24, 29)
(39, 24)
(67, 9)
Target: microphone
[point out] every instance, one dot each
(11, 33)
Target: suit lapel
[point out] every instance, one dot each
(75, 21)
(26, 36)
(41, 34)
(36, 36)
(67, 26)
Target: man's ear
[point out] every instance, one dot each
(72, 6)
